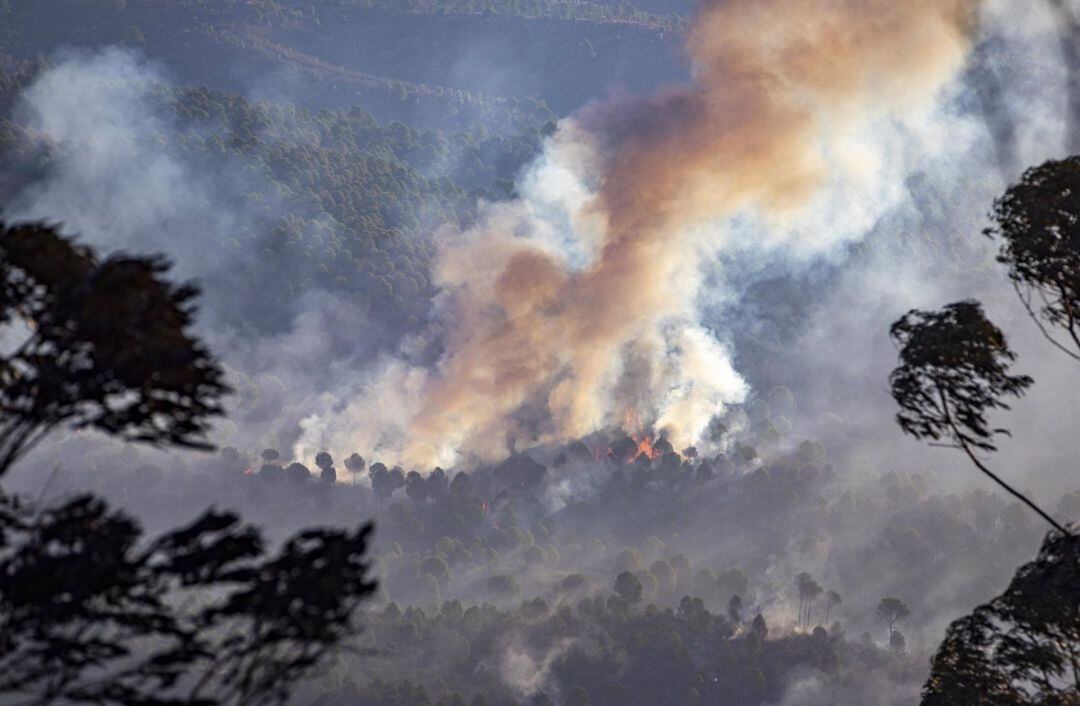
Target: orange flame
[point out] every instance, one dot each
(634, 427)
(645, 447)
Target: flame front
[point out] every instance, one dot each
(645, 446)
(582, 294)
(635, 429)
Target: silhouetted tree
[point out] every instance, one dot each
(416, 487)
(758, 626)
(815, 593)
(396, 478)
(355, 464)
(892, 611)
(809, 591)
(325, 462)
(954, 369)
(298, 473)
(381, 483)
(438, 485)
(97, 344)
(733, 607)
(377, 474)
(271, 473)
(90, 611)
(1038, 224)
(897, 642)
(1023, 647)
(832, 599)
(628, 587)
(462, 485)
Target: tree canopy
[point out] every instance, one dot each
(99, 344)
(1019, 649)
(1038, 226)
(91, 611)
(954, 370)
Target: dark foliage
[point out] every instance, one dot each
(892, 611)
(90, 612)
(954, 368)
(1021, 648)
(103, 345)
(1024, 646)
(1038, 223)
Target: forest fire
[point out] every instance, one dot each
(636, 429)
(645, 446)
(636, 443)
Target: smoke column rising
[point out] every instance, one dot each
(577, 303)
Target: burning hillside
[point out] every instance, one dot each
(581, 298)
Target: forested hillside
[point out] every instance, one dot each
(620, 571)
(435, 64)
(357, 131)
(338, 200)
(598, 345)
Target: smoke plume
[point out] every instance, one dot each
(578, 303)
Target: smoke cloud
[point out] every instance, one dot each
(579, 302)
(653, 239)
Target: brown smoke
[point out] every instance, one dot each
(776, 83)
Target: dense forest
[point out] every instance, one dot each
(418, 63)
(618, 571)
(224, 226)
(337, 200)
